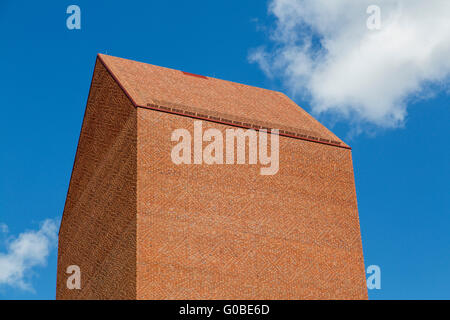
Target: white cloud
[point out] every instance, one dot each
(322, 49)
(28, 250)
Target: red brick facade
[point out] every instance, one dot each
(98, 229)
(141, 227)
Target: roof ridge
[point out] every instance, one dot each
(133, 92)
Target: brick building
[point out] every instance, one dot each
(141, 227)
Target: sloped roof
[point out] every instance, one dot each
(169, 90)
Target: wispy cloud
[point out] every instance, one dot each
(25, 252)
(3, 228)
(324, 51)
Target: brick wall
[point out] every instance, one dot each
(98, 230)
(226, 232)
(142, 227)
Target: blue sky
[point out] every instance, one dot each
(401, 169)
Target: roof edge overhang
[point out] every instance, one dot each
(225, 119)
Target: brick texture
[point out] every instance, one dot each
(98, 229)
(149, 85)
(141, 227)
(226, 232)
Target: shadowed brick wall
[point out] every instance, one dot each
(98, 230)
